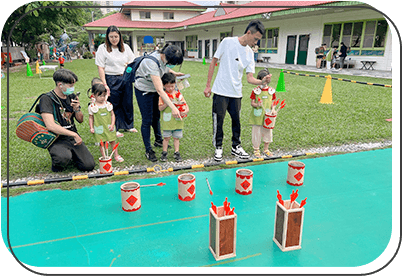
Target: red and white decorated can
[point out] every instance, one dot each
(296, 171)
(105, 165)
(186, 187)
(269, 121)
(131, 200)
(244, 181)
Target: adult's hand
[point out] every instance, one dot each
(176, 113)
(78, 139)
(207, 92)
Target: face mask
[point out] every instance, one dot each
(170, 66)
(68, 91)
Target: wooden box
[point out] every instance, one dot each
(288, 225)
(222, 234)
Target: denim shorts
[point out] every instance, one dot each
(172, 133)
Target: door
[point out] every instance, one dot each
(207, 48)
(199, 49)
(290, 55)
(214, 46)
(302, 49)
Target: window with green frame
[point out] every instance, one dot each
(191, 43)
(365, 38)
(269, 41)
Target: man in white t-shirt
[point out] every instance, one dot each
(235, 55)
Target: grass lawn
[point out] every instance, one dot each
(357, 115)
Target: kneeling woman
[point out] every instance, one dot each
(148, 89)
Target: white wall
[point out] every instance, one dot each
(312, 25)
(159, 15)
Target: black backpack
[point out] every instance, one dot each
(130, 72)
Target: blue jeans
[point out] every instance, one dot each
(150, 116)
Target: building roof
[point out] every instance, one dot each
(162, 4)
(231, 11)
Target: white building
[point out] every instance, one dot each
(292, 33)
(105, 4)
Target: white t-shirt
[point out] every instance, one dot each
(114, 62)
(234, 58)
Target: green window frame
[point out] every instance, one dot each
(191, 43)
(269, 41)
(364, 37)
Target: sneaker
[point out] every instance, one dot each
(151, 156)
(239, 152)
(177, 157)
(164, 156)
(218, 154)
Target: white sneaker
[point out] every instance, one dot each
(239, 152)
(218, 154)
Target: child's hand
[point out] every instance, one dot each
(92, 130)
(111, 127)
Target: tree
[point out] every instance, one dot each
(35, 19)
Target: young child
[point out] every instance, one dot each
(261, 101)
(172, 127)
(61, 60)
(91, 96)
(102, 119)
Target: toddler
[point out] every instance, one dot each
(172, 127)
(261, 101)
(102, 119)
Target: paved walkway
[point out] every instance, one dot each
(291, 67)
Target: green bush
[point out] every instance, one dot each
(87, 55)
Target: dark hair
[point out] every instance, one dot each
(64, 76)
(173, 54)
(94, 81)
(255, 26)
(110, 29)
(98, 89)
(168, 78)
(262, 73)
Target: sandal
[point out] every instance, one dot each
(119, 159)
(119, 134)
(268, 153)
(256, 153)
(132, 130)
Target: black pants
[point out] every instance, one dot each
(222, 104)
(150, 116)
(63, 151)
(122, 100)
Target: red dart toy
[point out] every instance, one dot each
(279, 197)
(214, 207)
(303, 202)
(293, 196)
